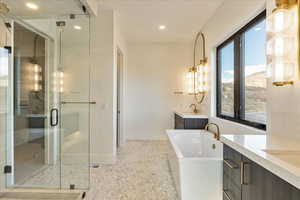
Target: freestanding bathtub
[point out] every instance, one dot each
(195, 160)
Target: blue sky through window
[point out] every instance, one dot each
(254, 52)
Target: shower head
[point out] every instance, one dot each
(3, 8)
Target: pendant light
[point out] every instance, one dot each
(198, 74)
(282, 44)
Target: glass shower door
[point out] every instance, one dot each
(36, 155)
(45, 99)
(74, 87)
(51, 107)
(4, 109)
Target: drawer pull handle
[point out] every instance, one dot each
(231, 164)
(226, 195)
(243, 164)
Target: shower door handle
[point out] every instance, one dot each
(54, 117)
(78, 102)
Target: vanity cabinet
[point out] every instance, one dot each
(283, 190)
(190, 123)
(256, 181)
(231, 174)
(244, 179)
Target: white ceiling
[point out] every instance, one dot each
(47, 8)
(139, 19)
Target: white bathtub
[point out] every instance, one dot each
(195, 165)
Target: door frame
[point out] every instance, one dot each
(120, 139)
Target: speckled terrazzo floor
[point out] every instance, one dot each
(53, 176)
(140, 173)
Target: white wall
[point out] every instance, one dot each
(154, 73)
(119, 45)
(230, 17)
(106, 37)
(102, 86)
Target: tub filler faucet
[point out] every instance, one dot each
(216, 134)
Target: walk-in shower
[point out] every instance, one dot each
(45, 96)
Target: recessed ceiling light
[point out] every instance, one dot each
(32, 6)
(77, 27)
(162, 27)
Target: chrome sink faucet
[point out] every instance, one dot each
(216, 134)
(195, 110)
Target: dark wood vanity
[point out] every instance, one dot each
(190, 123)
(244, 179)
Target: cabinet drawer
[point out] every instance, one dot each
(232, 165)
(228, 196)
(253, 182)
(190, 123)
(230, 190)
(195, 123)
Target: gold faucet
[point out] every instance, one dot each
(195, 110)
(217, 134)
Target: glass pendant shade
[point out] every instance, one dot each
(202, 73)
(282, 71)
(197, 79)
(37, 78)
(190, 81)
(280, 20)
(282, 47)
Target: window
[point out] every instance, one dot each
(241, 75)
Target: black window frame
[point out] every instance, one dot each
(239, 107)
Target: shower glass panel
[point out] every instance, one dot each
(5, 96)
(73, 85)
(36, 162)
(45, 97)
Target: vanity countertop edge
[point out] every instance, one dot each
(252, 147)
(186, 115)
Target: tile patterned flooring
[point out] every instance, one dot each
(53, 176)
(140, 173)
(39, 196)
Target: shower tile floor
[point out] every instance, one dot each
(49, 177)
(140, 173)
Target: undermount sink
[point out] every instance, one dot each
(290, 156)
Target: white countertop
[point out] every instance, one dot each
(286, 166)
(191, 115)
